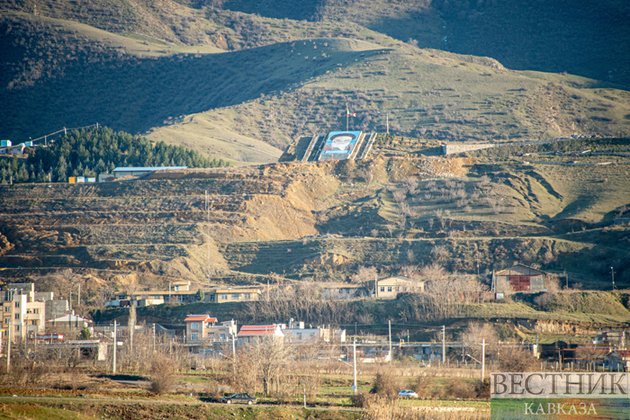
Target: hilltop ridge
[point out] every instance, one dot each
(229, 82)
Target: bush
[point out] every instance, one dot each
(163, 374)
(462, 389)
(385, 385)
(517, 360)
(432, 387)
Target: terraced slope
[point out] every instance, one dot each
(559, 207)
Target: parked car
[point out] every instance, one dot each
(239, 399)
(407, 393)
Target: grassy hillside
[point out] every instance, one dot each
(584, 38)
(241, 86)
(429, 94)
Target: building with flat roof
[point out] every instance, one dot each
(139, 171)
(249, 334)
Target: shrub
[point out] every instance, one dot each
(385, 385)
(163, 374)
(460, 388)
(516, 360)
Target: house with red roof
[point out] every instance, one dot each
(198, 326)
(252, 333)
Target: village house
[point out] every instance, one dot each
(197, 326)
(180, 286)
(69, 325)
(297, 333)
(249, 334)
(391, 287)
(183, 294)
(234, 294)
(204, 329)
(519, 278)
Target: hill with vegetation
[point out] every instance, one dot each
(587, 39)
(238, 82)
(562, 206)
(92, 151)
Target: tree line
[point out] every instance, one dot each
(91, 151)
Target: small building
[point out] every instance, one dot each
(297, 333)
(69, 325)
(559, 351)
(180, 286)
(234, 294)
(225, 331)
(139, 171)
(519, 278)
(197, 327)
(391, 287)
(249, 334)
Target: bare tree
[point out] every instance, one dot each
(364, 274)
(269, 358)
(473, 336)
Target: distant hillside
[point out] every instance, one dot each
(89, 152)
(590, 39)
(165, 20)
(237, 85)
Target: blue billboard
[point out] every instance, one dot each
(339, 145)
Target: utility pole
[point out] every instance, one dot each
(443, 344)
(79, 295)
(207, 201)
(391, 356)
(114, 354)
(234, 355)
(612, 277)
(483, 358)
(9, 343)
(153, 337)
(387, 122)
(354, 366)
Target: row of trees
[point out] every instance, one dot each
(90, 151)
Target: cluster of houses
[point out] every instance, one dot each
(8, 148)
(29, 314)
(519, 278)
(181, 292)
(203, 330)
